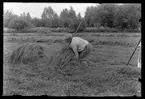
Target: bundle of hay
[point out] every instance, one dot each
(27, 53)
(65, 62)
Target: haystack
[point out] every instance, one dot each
(65, 62)
(27, 53)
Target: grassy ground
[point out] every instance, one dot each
(106, 75)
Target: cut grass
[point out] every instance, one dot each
(26, 53)
(107, 74)
(65, 61)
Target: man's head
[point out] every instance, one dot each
(68, 39)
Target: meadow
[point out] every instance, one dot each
(107, 74)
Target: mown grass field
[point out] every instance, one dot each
(106, 75)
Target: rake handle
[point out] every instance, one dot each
(134, 51)
(79, 25)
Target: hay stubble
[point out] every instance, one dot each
(38, 76)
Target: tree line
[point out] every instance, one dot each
(120, 17)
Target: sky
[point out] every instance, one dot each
(36, 9)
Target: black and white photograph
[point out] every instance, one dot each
(72, 49)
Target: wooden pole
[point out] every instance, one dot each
(79, 25)
(133, 52)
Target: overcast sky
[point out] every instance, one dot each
(36, 9)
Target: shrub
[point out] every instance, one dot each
(7, 30)
(36, 30)
(131, 30)
(59, 29)
(107, 29)
(18, 24)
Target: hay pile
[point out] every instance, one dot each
(27, 53)
(65, 62)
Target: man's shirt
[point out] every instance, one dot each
(78, 43)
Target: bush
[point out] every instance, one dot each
(7, 30)
(131, 30)
(91, 29)
(18, 24)
(107, 29)
(59, 29)
(35, 30)
(101, 29)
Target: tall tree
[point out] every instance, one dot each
(79, 16)
(49, 15)
(64, 17)
(55, 21)
(64, 13)
(108, 11)
(127, 16)
(75, 22)
(90, 16)
(8, 16)
(28, 17)
(72, 13)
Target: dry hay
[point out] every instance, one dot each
(27, 53)
(65, 62)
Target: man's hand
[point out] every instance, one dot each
(77, 57)
(76, 52)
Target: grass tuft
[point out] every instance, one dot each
(27, 53)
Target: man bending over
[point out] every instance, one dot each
(81, 47)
